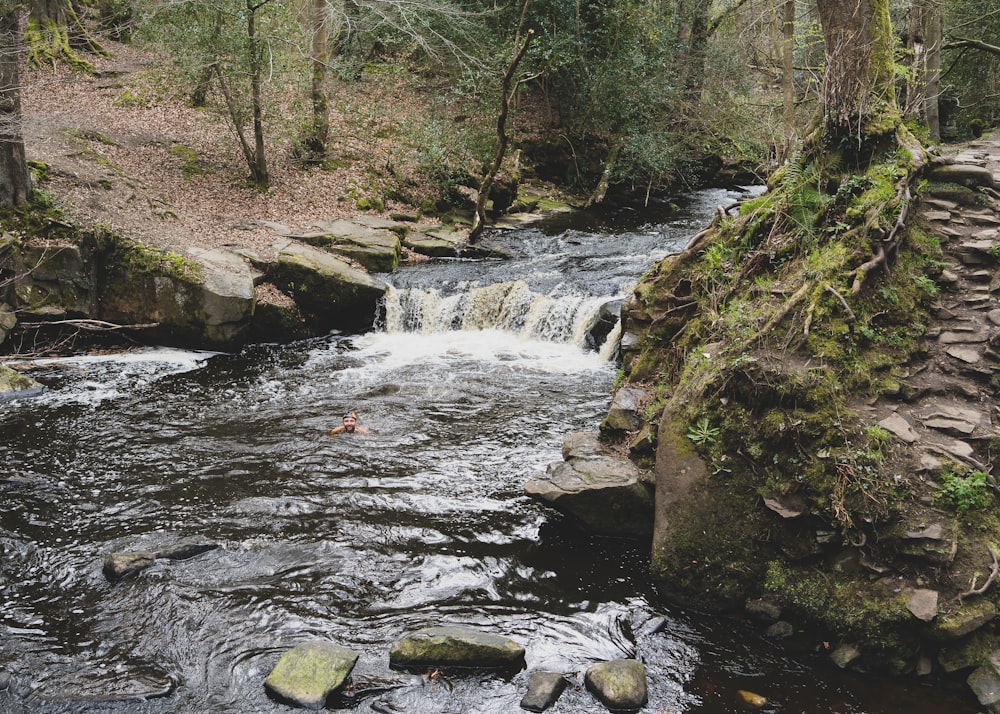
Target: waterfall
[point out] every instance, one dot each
(508, 306)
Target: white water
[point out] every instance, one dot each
(510, 307)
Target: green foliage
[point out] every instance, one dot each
(702, 432)
(964, 492)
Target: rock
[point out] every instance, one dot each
(791, 506)
(4, 680)
(619, 684)
(967, 619)
(763, 609)
(582, 445)
(923, 604)
(227, 295)
(544, 688)
(780, 630)
(844, 655)
(13, 383)
(450, 646)
(985, 684)
(187, 548)
(310, 672)
(97, 683)
(955, 427)
(964, 174)
(606, 495)
(436, 242)
(202, 299)
(750, 700)
(963, 354)
(607, 317)
(372, 243)
(118, 566)
(930, 542)
(936, 215)
(898, 426)
(331, 293)
(969, 652)
(954, 337)
(627, 411)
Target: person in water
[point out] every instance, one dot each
(350, 426)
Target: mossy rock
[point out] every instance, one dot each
(457, 647)
(309, 673)
(13, 383)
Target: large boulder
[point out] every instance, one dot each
(330, 292)
(371, 242)
(619, 684)
(310, 672)
(202, 299)
(605, 494)
(461, 647)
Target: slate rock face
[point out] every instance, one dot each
(310, 672)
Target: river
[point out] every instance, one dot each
(468, 387)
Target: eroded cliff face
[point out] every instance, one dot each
(827, 450)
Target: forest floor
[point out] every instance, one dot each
(124, 149)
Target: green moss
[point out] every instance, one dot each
(123, 254)
(191, 161)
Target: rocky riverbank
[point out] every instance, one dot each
(895, 561)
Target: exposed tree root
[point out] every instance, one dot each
(994, 570)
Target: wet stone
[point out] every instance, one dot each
(780, 630)
(845, 654)
(985, 684)
(450, 646)
(619, 684)
(118, 566)
(544, 688)
(310, 672)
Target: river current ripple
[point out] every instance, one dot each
(358, 539)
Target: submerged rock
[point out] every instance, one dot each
(619, 684)
(124, 564)
(310, 672)
(451, 646)
(118, 566)
(544, 688)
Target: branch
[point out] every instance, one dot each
(994, 570)
(961, 43)
(92, 325)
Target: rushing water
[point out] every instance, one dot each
(468, 388)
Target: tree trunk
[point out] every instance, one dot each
(857, 86)
(55, 32)
(933, 39)
(320, 128)
(788, 75)
(479, 220)
(258, 167)
(14, 184)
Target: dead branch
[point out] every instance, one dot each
(90, 325)
(994, 570)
